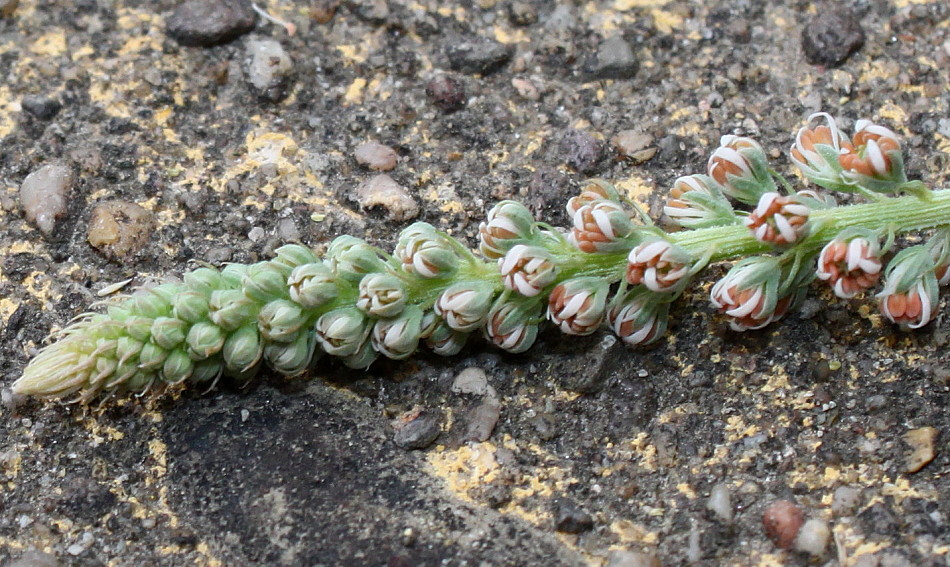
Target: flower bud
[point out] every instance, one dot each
(230, 309)
(696, 201)
(398, 338)
(446, 341)
(508, 223)
(601, 226)
(464, 306)
(595, 190)
(816, 152)
(178, 366)
(152, 357)
(293, 358)
(312, 285)
(341, 331)
(740, 168)
(658, 265)
(265, 281)
(204, 340)
(425, 252)
(778, 220)
(204, 280)
(280, 320)
(168, 332)
(146, 304)
(639, 316)
(748, 294)
(578, 306)
(512, 325)
(139, 328)
(850, 266)
(911, 291)
(191, 306)
(939, 246)
(876, 163)
(233, 274)
(527, 269)
(381, 295)
(127, 348)
(363, 358)
(351, 258)
(242, 349)
(293, 255)
(206, 371)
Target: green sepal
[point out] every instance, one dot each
(293, 255)
(204, 280)
(206, 370)
(168, 332)
(152, 357)
(191, 306)
(204, 339)
(139, 328)
(178, 366)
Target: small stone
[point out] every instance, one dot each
(831, 37)
(570, 518)
(446, 93)
(35, 558)
(417, 428)
(376, 156)
(269, 69)
(41, 107)
(471, 380)
(7, 7)
(118, 229)
(383, 191)
(522, 13)
(322, 11)
(614, 60)
(624, 558)
(287, 230)
(204, 23)
(75, 549)
(813, 537)
(845, 500)
(580, 150)
(720, 503)
(478, 56)
(526, 88)
(782, 521)
(43, 196)
(921, 442)
(482, 420)
(633, 145)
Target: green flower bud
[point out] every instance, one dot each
(341, 331)
(293, 255)
(509, 223)
(312, 285)
(464, 306)
(265, 281)
(230, 309)
(233, 275)
(206, 371)
(381, 295)
(105, 367)
(280, 320)
(168, 332)
(127, 348)
(424, 252)
(178, 366)
(147, 304)
(445, 340)
(121, 372)
(398, 338)
(293, 358)
(363, 358)
(351, 258)
(152, 357)
(512, 325)
(167, 292)
(204, 280)
(191, 306)
(204, 339)
(137, 382)
(242, 349)
(139, 328)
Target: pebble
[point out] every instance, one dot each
(376, 156)
(623, 558)
(383, 191)
(478, 56)
(269, 69)
(204, 23)
(845, 500)
(35, 558)
(471, 380)
(522, 13)
(7, 7)
(633, 145)
(418, 428)
(43, 196)
(831, 37)
(921, 442)
(118, 229)
(446, 93)
(614, 60)
(580, 150)
(813, 537)
(720, 503)
(41, 107)
(782, 521)
(482, 420)
(569, 518)
(526, 88)
(287, 230)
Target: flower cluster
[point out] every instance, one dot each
(611, 268)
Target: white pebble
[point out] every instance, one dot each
(471, 380)
(720, 503)
(43, 196)
(813, 537)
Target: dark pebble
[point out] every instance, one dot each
(41, 107)
(614, 60)
(204, 23)
(418, 429)
(580, 150)
(446, 93)
(831, 37)
(478, 57)
(570, 518)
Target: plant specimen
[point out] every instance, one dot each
(613, 267)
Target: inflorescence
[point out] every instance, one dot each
(614, 267)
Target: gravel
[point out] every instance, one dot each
(269, 69)
(614, 60)
(44, 194)
(119, 229)
(206, 23)
(783, 520)
(383, 191)
(376, 156)
(832, 36)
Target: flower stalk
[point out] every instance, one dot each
(611, 268)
